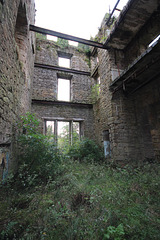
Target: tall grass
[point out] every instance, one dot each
(87, 201)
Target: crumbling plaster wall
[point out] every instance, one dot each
(16, 65)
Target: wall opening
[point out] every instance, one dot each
(97, 83)
(64, 62)
(76, 131)
(50, 129)
(64, 89)
(106, 141)
(64, 132)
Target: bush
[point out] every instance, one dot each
(38, 156)
(85, 150)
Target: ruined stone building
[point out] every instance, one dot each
(113, 90)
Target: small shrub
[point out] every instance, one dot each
(85, 150)
(9, 232)
(116, 233)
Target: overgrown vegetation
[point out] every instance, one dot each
(63, 43)
(84, 48)
(38, 156)
(41, 36)
(75, 197)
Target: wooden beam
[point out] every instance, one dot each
(62, 103)
(66, 36)
(62, 69)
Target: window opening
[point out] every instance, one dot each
(50, 128)
(97, 60)
(64, 62)
(63, 134)
(98, 82)
(63, 89)
(75, 132)
(72, 43)
(106, 141)
(52, 38)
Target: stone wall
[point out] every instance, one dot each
(132, 121)
(45, 85)
(67, 113)
(17, 46)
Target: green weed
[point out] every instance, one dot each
(84, 198)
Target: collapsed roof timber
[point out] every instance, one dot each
(113, 88)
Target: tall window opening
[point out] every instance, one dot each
(106, 141)
(50, 129)
(76, 131)
(63, 134)
(98, 83)
(64, 89)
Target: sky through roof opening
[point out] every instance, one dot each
(78, 18)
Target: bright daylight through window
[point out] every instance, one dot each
(66, 132)
(64, 90)
(64, 62)
(49, 128)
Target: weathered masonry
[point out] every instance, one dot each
(111, 94)
(62, 93)
(128, 105)
(17, 49)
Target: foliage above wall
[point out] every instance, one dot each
(41, 36)
(62, 43)
(84, 48)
